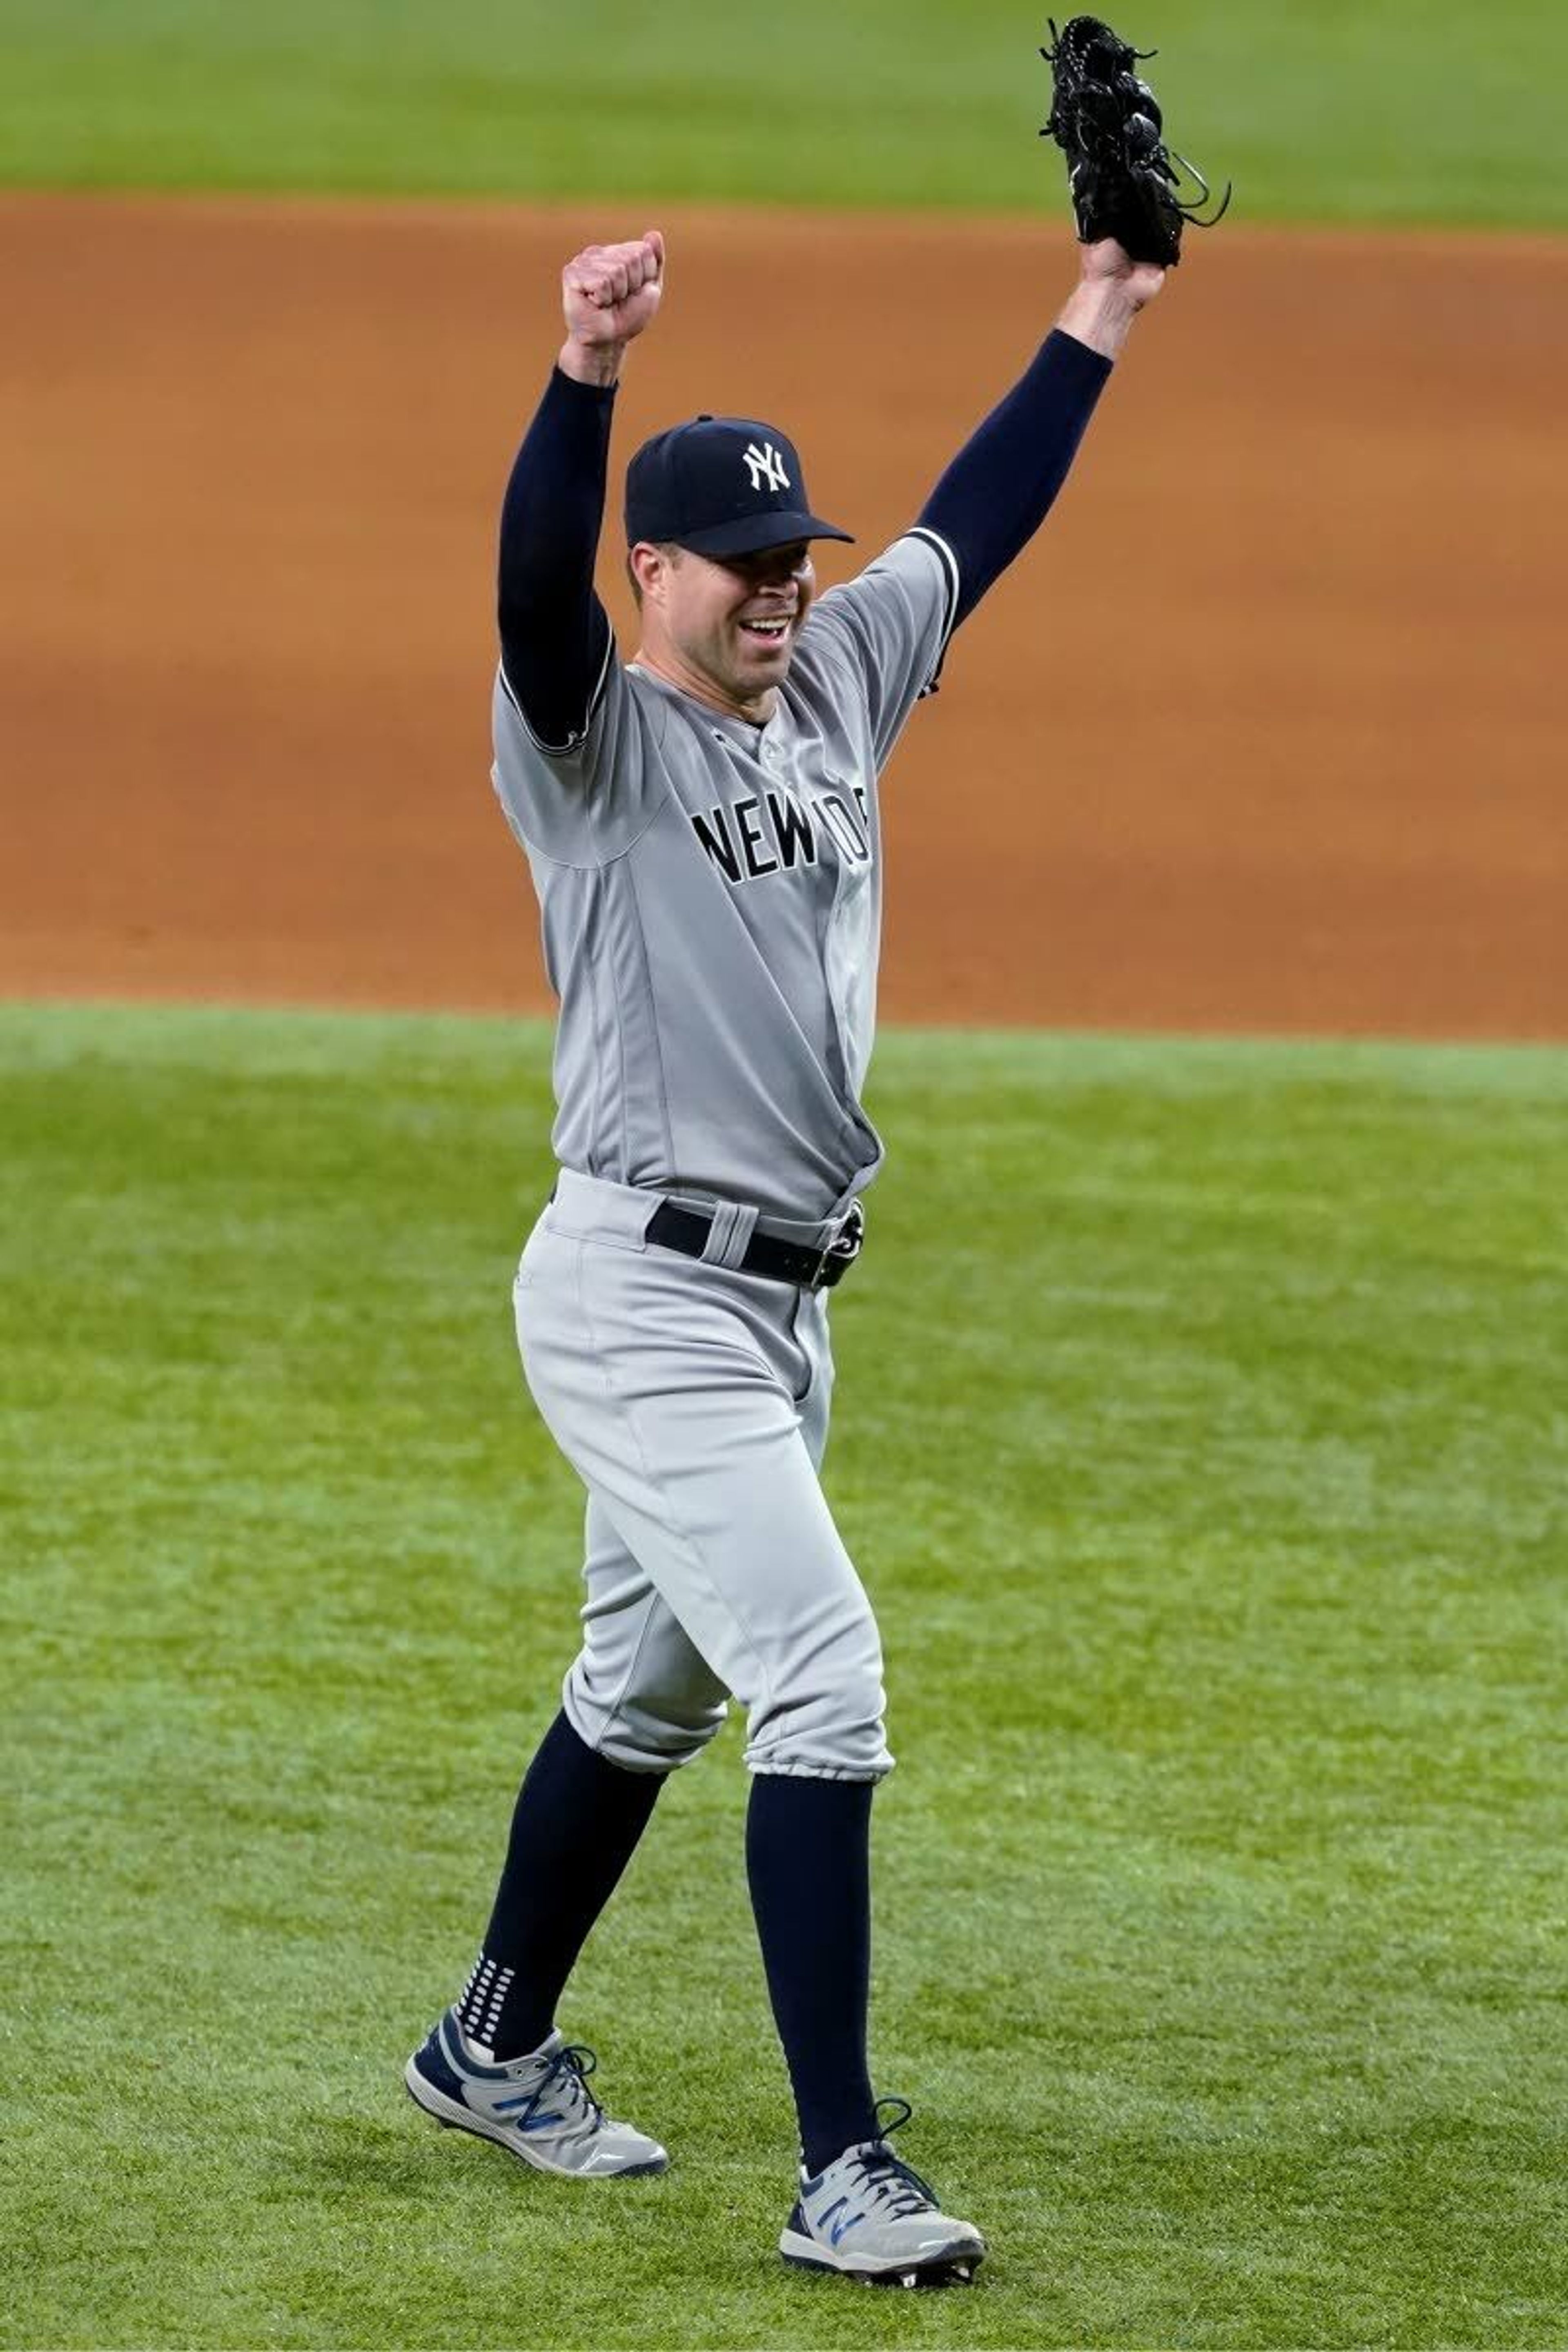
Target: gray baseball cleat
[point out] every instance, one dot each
(540, 2106)
(869, 2217)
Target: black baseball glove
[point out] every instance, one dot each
(1124, 179)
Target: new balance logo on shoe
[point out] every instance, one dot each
(840, 2228)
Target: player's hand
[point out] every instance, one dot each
(611, 293)
(1108, 265)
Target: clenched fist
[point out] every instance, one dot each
(610, 295)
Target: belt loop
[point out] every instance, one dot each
(729, 1234)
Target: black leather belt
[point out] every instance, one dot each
(687, 1230)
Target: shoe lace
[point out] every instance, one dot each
(891, 2184)
(569, 2071)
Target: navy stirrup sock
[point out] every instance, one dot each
(808, 1861)
(574, 1830)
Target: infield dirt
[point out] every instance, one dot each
(1262, 734)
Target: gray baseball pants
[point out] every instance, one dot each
(693, 1402)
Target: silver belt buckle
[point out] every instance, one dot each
(843, 1249)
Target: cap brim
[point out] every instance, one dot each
(751, 534)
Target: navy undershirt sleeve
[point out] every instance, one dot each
(554, 632)
(1000, 487)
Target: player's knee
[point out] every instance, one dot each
(837, 1741)
(639, 1734)
(825, 1715)
(642, 1745)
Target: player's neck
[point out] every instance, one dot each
(664, 662)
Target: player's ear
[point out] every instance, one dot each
(649, 567)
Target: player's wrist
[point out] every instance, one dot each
(591, 364)
(1099, 312)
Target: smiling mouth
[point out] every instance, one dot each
(767, 633)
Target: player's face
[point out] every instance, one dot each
(736, 623)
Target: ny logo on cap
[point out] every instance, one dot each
(766, 466)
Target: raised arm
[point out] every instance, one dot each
(554, 632)
(999, 488)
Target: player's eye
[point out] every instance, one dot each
(773, 564)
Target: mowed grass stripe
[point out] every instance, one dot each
(1391, 111)
(1200, 1430)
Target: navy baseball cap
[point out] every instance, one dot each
(720, 486)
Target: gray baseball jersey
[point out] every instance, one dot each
(710, 895)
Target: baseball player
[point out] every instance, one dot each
(702, 828)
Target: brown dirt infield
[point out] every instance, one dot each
(1263, 734)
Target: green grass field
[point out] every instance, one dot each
(1338, 111)
(1201, 1431)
